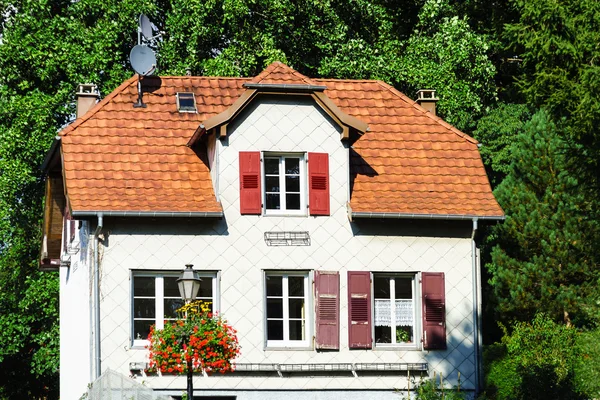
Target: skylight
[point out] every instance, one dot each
(186, 102)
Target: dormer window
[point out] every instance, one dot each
(186, 102)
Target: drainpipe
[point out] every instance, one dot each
(97, 366)
(476, 306)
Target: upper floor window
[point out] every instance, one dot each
(284, 184)
(156, 298)
(280, 184)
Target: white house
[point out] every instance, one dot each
(333, 223)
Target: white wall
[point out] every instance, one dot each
(236, 247)
(75, 293)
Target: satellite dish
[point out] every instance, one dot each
(143, 60)
(146, 27)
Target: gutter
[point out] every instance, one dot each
(96, 306)
(361, 214)
(156, 214)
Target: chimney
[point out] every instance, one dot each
(86, 97)
(426, 99)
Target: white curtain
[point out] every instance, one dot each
(403, 312)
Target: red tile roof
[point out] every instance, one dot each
(119, 158)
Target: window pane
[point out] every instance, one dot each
(292, 166)
(296, 330)
(292, 201)
(296, 285)
(143, 308)
(171, 306)
(171, 287)
(296, 308)
(404, 334)
(274, 285)
(143, 286)
(205, 287)
(274, 308)
(272, 166)
(403, 288)
(272, 184)
(381, 287)
(141, 329)
(275, 330)
(383, 334)
(273, 202)
(292, 184)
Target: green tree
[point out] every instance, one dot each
(496, 132)
(558, 41)
(541, 262)
(46, 49)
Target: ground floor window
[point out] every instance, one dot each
(287, 305)
(155, 298)
(394, 309)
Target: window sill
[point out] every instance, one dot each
(280, 348)
(412, 347)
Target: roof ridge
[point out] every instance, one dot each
(271, 68)
(97, 107)
(427, 113)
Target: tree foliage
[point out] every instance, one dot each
(541, 263)
(536, 360)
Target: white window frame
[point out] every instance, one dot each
(159, 297)
(416, 298)
(286, 343)
(282, 200)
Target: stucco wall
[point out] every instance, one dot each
(75, 292)
(235, 246)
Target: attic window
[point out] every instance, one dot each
(186, 102)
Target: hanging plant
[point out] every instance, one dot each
(198, 339)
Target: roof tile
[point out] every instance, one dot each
(121, 158)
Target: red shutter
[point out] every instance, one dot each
(434, 311)
(327, 288)
(318, 186)
(359, 310)
(250, 195)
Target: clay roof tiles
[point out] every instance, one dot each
(120, 158)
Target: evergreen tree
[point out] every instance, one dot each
(541, 262)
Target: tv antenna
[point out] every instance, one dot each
(142, 57)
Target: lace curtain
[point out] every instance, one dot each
(403, 312)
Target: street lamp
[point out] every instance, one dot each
(189, 285)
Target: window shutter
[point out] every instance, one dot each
(318, 186)
(327, 288)
(434, 311)
(359, 310)
(250, 195)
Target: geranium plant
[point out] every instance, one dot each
(198, 339)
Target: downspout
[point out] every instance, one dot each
(97, 366)
(476, 314)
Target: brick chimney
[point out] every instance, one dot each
(426, 99)
(86, 97)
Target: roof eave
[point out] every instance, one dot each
(448, 217)
(50, 155)
(149, 214)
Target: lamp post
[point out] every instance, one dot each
(189, 285)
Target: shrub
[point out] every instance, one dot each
(535, 361)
